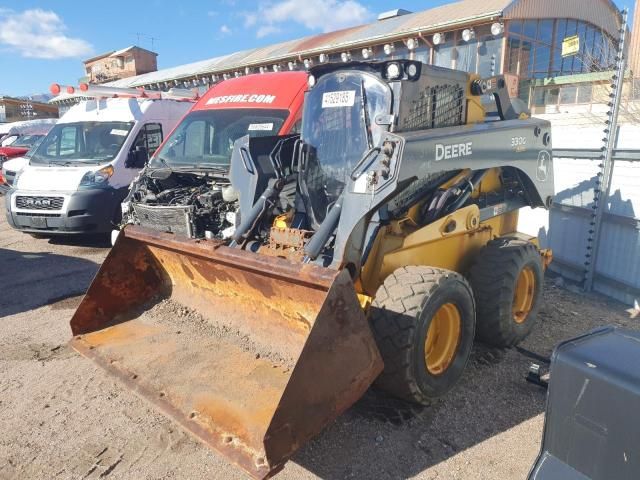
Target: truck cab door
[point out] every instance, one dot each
(144, 146)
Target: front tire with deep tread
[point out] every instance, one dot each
(494, 278)
(402, 311)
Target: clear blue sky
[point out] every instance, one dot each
(44, 41)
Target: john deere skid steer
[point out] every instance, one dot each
(374, 247)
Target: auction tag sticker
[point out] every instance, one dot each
(117, 131)
(264, 127)
(360, 185)
(345, 98)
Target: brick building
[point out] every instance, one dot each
(128, 62)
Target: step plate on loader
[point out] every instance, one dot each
(254, 355)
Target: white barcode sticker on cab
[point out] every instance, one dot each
(344, 98)
(117, 131)
(264, 127)
(360, 185)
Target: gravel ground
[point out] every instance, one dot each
(63, 418)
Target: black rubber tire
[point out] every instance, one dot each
(493, 278)
(400, 317)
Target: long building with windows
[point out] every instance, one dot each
(540, 41)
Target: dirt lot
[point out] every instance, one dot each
(63, 418)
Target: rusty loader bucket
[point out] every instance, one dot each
(254, 355)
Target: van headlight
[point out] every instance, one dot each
(14, 184)
(97, 179)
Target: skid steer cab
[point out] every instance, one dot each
(373, 247)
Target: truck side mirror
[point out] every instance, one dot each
(137, 158)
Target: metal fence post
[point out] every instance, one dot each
(603, 181)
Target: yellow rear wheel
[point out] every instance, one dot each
(507, 280)
(524, 295)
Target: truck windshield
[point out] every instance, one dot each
(82, 142)
(339, 128)
(206, 137)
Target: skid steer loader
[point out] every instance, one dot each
(373, 247)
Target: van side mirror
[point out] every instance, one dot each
(137, 158)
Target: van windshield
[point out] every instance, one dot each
(206, 137)
(82, 143)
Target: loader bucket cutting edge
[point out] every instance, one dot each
(254, 355)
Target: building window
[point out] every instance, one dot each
(513, 55)
(551, 96)
(535, 48)
(444, 54)
(422, 54)
(538, 97)
(562, 95)
(585, 93)
(489, 52)
(466, 54)
(400, 51)
(568, 94)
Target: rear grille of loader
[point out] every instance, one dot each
(436, 107)
(165, 219)
(39, 203)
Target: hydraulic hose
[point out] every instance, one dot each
(258, 209)
(321, 237)
(473, 182)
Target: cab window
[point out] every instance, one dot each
(149, 137)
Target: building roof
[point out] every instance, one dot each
(121, 52)
(602, 13)
(454, 15)
(445, 16)
(118, 53)
(98, 57)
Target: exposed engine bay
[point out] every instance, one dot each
(191, 204)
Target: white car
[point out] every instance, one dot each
(10, 168)
(13, 167)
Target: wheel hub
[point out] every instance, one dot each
(443, 338)
(523, 295)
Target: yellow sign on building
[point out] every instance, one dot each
(570, 46)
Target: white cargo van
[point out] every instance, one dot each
(81, 171)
